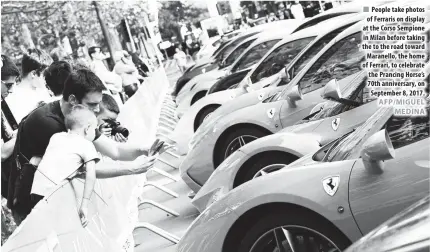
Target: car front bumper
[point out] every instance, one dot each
(198, 165)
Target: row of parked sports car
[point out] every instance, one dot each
(285, 150)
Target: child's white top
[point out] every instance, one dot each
(65, 155)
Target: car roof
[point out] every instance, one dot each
(270, 35)
(264, 28)
(280, 24)
(261, 38)
(318, 30)
(322, 28)
(349, 8)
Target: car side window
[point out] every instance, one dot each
(236, 53)
(229, 48)
(341, 60)
(314, 49)
(281, 56)
(255, 54)
(407, 130)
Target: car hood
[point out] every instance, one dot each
(410, 227)
(301, 186)
(191, 84)
(240, 100)
(184, 129)
(222, 179)
(219, 183)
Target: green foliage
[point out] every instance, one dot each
(50, 21)
(172, 13)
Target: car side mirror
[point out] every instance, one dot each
(294, 95)
(375, 150)
(332, 91)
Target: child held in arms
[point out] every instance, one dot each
(68, 155)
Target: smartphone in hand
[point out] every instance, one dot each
(159, 147)
(156, 147)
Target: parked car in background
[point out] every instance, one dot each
(212, 44)
(241, 61)
(219, 55)
(326, 200)
(336, 117)
(209, 47)
(295, 51)
(339, 59)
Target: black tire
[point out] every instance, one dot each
(247, 172)
(248, 131)
(200, 117)
(198, 96)
(179, 85)
(309, 221)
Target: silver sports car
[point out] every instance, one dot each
(339, 59)
(324, 201)
(273, 152)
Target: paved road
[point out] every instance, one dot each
(172, 69)
(178, 203)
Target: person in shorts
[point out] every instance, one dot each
(70, 154)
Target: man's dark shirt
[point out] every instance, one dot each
(38, 128)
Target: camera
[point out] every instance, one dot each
(116, 127)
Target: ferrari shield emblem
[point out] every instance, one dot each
(335, 123)
(331, 184)
(271, 113)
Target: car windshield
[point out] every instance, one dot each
(224, 52)
(352, 91)
(339, 61)
(253, 55)
(343, 61)
(402, 131)
(313, 50)
(236, 53)
(280, 57)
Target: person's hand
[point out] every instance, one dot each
(105, 129)
(120, 138)
(83, 215)
(144, 163)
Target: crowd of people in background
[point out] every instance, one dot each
(58, 120)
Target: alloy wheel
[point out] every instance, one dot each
(293, 238)
(238, 142)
